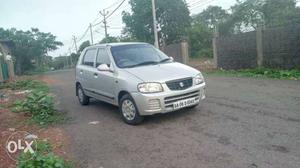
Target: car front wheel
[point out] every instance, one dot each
(129, 111)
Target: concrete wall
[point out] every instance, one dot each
(179, 51)
(281, 47)
(237, 51)
(272, 48)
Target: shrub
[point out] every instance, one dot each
(40, 106)
(42, 157)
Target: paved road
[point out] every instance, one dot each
(243, 123)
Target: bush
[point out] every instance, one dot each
(42, 157)
(40, 106)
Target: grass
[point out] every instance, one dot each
(261, 72)
(27, 84)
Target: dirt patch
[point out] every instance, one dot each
(12, 122)
(203, 64)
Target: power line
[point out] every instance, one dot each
(112, 5)
(116, 9)
(84, 34)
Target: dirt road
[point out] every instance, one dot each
(243, 123)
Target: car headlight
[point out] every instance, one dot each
(150, 87)
(198, 79)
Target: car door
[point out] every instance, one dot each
(85, 70)
(104, 81)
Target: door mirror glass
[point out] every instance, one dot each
(103, 67)
(172, 59)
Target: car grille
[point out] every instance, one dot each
(180, 84)
(172, 99)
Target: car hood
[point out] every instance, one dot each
(163, 72)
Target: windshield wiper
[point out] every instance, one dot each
(165, 60)
(143, 63)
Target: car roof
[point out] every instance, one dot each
(116, 44)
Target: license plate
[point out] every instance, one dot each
(185, 103)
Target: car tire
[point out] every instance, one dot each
(82, 98)
(129, 111)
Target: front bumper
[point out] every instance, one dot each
(149, 104)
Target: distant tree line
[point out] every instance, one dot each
(30, 47)
(176, 24)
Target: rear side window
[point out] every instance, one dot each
(89, 57)
(102, 57)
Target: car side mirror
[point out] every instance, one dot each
(103, 67)
(172, 59)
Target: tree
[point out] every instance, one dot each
(200, 39)
(212, 16)
(279, 12)
(109, 39)
(83, 45)
(30, 45)
(172, 17)
(253, 13)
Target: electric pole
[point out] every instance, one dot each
(104, 14)
(91, 30)
(74, 39)
(155, 24)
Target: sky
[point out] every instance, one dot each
(68, 18)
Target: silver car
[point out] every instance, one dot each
(138, 78)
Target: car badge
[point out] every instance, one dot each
(181, 84)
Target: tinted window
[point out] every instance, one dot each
(136, 54)
(89, 57)
(102, 57)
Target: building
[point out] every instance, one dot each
(6, 61)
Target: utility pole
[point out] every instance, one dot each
(155, 24)
(104, 14)
(75, 43)
(91, 30)
(70, 53)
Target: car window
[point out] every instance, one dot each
(130, 55)
(89, 57)
(102, 57)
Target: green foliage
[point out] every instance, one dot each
(37, 70)
(42, 157)
(253, 13)
(109, 39)
(27, 84)
(40, 106)
(212, 16)
(83, 45)
(200, 39)
(172, 17)
(29, 45)
(262, 72)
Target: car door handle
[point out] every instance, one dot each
(95, 75)
(81, 72)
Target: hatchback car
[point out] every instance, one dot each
(138, 78)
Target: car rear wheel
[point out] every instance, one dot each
(129, 111)
(82, 98)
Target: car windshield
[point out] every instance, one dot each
(133, 55)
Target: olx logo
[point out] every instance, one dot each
(20, 142)
(13, 146)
